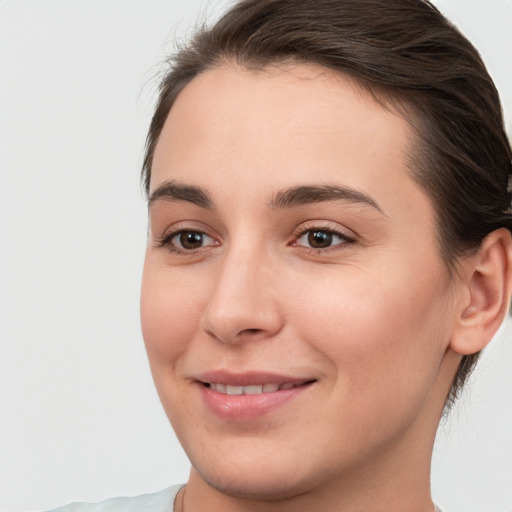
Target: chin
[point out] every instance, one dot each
(267, 473)
(262, 485)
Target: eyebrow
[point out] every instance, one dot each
(173, 190)
(307, 194)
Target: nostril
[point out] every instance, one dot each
(250, 331)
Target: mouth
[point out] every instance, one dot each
(249, 396)
(254, 389)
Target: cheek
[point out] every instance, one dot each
(170, 314)
(380, 331)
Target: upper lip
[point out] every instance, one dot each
(251, 378)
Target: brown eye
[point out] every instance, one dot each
(190, 239)
(320, 239)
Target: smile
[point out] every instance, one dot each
(256, 389)
(248, 402)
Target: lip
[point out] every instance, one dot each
(248, 406)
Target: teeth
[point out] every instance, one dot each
(255, 389)
(221, 388)
(235, 390)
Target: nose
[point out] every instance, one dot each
(243, 303)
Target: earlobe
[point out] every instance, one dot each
(488, 289)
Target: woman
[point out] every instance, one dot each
(329, 189)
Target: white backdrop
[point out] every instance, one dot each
(79, 418)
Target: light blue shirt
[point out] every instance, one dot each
(162, 501)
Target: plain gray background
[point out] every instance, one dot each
(79, 418)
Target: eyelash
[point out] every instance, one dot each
(167, 240)
(303, 231)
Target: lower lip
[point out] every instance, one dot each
(248, 407)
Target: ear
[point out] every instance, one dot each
(487, 288)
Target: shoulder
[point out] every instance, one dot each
(162, 501)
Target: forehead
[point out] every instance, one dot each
(282, 126)
(308, 95)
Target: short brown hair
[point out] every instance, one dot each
(403, 51)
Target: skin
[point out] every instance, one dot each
(370, 317)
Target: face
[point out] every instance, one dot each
(295, 309)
